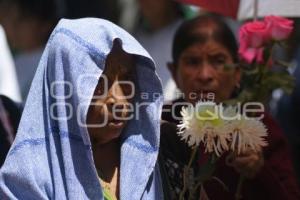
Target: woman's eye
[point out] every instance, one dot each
(192, 61)
(218, 61)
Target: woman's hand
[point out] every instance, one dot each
(248, 164)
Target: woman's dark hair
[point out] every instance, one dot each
(193, 31)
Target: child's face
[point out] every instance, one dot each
(113, 98)
(200, 70)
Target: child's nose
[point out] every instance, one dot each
(111, 101)
(119, 108)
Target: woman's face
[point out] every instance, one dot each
(110, 105)
(200, 72)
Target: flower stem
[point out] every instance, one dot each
(186, 173)
(238, 194)
(255, 12)
(207, 174)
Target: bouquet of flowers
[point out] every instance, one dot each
(258, 40)
(221, 128)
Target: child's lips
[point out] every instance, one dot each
(116, 124)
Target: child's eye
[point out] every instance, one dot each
(100, 90)
(102, 86)
(127, 90)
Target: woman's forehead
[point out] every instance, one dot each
(209, 47)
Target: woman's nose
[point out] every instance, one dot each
(205, 73)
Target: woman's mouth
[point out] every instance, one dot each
(205, 95)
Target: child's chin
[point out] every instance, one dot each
(110, 136)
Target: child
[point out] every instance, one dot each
(81, 136)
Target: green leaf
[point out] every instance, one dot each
(275, 80)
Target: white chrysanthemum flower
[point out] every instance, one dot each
(187, 115)
(202, 123)
(221, 131)
(247, 134)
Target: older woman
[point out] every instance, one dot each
(201, 49)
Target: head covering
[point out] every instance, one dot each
(51, 157)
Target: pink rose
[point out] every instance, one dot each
(254, 34)
(251, 54)
(279, 27)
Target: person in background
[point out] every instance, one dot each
(28, 25)
(10, 114)
(8, 77)
(288, 106)
(155, 29)
(201, 49)
(104, 9)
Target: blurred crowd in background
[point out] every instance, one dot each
(27, 25)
